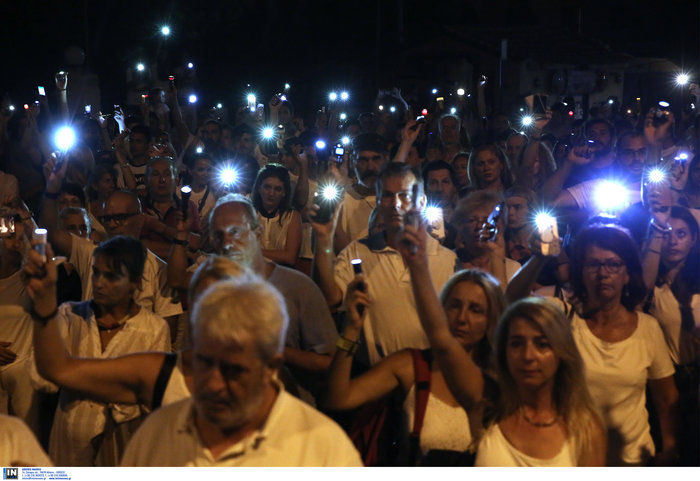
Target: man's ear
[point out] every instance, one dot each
(276, 363)
(422, 202)
(258, 231)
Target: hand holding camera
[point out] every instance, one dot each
(656, 131)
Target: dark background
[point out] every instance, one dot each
(315, 45)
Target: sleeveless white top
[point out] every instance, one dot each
(495, 451)
(274, 236)
(444, 426)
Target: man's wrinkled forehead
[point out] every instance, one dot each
(231, 214)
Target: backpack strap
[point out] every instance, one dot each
(422, 359)
(162, 380)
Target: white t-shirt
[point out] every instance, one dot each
(665, 308)
(392, 321)
(294, 434)
(154, 294)
(18, 446)
(617, 374)
(16, 325)
(496, 451)
(139, 172)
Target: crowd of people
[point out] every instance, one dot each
(270, 288)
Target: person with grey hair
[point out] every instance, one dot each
(235, 232)
(239, 414)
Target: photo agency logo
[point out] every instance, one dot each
(10, 473)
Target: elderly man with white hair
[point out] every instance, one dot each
(239, 414)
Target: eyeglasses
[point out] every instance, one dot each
(611, 266)
(117, 218)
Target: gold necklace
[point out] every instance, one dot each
(538, 424)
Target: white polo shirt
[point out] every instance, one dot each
(18, 446)
(392, 321)
(294, 434)
(355, 211)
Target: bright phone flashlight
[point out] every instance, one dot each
(251, 98)
(453, 110)
(140, 67)
(268, 133)
(190, 65)
(192, 98)
(381, 107)
(434, 91)
(228, 175)
(544, 221)
(460, 92)
(11, 108)
(345, 140)
(682, 156)
(332, 96)
(549, 232)
(165, 30)
(433, 214)
(656, 175)
(392, 109)
(344, 95)
(527, 120)
(64, 138)
(219, 105)
(199, 150)
(611, 196)
(320, 144)
(682, 78)
(330, 192)
(287, 86)
(343, 116)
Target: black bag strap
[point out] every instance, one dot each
(162, 381)
(422, 360)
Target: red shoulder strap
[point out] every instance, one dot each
(421, 368)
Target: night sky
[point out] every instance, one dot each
(313, 44)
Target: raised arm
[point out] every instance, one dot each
(408, 137)
(464, 378)
(127, 379)
(48, 217)
(323, 258)
(654, 242)
(342, 392)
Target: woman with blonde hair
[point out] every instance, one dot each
(473, 302)
(541, 390)
(543, 394)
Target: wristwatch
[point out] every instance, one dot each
(347, 345)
